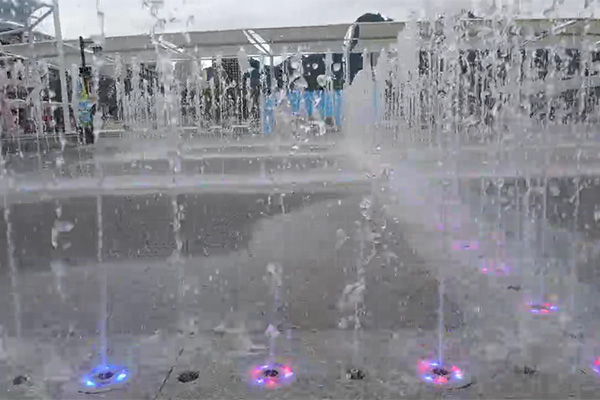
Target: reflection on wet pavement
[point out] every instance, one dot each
(206, 305)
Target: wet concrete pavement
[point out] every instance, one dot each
(189, 287)
(167, 287)
(228, 241)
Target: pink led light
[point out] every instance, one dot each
(494, 267)
(271, 376)
(434, 372)
(596, 366)
(542, 308)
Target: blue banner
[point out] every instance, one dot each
(328, 105)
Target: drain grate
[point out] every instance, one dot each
(19, 380)
(440, 371)
(104, 376)
(271, 373)
(355, 374)
(188, 376)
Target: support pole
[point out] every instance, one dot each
(63, 73)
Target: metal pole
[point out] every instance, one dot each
(84, 71)
(273, 84)
(82, 51)
(347, 54)
(62, 71)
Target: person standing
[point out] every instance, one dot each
(86, 106)
(86, 110)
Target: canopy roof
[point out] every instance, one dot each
(536, 33)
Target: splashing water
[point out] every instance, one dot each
(274, 279)
(452, 100)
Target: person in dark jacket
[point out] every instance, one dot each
(352, 40)
(368, 17)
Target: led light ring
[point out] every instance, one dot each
(433, 373)
(596, 366)
(271, 376)
(542, 308)
(105, 377)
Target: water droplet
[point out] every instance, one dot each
(190, 21)
(322, 80)
(341, 238)
(365, 204)
(63, 226)
(275, 274)
(300, 83)
(271, 332)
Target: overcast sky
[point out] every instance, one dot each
(127, 17)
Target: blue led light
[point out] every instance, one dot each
(105, 377)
